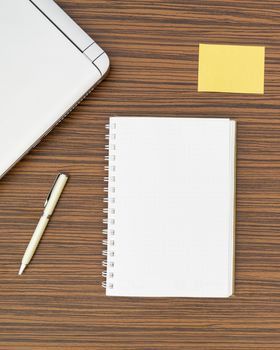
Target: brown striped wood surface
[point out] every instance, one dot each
(59, 302)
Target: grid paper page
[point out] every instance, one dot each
(171, 201)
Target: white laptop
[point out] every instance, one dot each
(48, 64)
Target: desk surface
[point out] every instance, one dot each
(59, 302)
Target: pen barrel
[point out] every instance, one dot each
(37, 235)
(55, 194)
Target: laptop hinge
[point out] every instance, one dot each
(64, 23)
(93, 52)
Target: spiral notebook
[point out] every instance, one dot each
(170, 213)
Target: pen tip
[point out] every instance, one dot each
(21, 269)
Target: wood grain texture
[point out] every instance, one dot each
(59, 302)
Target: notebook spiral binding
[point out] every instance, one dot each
(110, 210)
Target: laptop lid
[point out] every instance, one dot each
(47, 65)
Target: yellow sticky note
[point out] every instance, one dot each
(231, 68)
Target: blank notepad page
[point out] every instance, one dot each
(170, 207)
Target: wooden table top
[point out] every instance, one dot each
(59, 302)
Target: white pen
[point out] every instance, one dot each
(49, 207)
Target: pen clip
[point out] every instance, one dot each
(50, 193)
